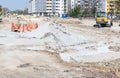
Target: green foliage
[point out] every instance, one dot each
(74, 12)
(85, 12)
(0, 10)
(118, 12)
(17, 12)
(93, 10)
(25, 11)
(77, 12)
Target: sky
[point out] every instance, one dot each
(14, 4)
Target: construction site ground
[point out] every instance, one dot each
(18, 61)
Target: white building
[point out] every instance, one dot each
(102, 5)
(33, 6)
(73, 4)
(48, 7)
(29, 7)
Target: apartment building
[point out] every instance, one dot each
(113, 6)
(79, 3)
(101, 6)
(48, 7)
(73, 4)
(108, 6)
(29, 6)
(84, 4)
(68, 5)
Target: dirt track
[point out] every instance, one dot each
(18, 62)
(111, 38)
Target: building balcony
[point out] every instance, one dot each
(48, 7)
(48, 1)
(48, 4)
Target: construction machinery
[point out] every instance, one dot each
(102, 20)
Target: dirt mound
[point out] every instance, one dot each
(70, 46)
(55, 35)
(69, 21)
(115, 48)
(58, 32)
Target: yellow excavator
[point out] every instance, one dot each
(102, 20)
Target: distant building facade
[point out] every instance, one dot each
(113, 6)
(109, 6)
(59, 7)
(48, 7)
(101, 6)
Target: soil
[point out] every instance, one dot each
(16, 61)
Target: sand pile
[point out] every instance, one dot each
(69, 21)
(55, 36)
(58, 32)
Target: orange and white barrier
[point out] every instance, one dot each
(27, 27)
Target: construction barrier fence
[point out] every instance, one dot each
(27, 27)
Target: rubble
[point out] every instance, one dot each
(59, 50)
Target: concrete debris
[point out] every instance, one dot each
(59, 48)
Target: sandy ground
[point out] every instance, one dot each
(17, 61)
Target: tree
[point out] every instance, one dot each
(25, 11)
(17, 12)
(74, 12)
(93, 10)
(89, 7)
(85, 12)
(118, 7)
(0, 10)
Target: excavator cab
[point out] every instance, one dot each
(101, 20)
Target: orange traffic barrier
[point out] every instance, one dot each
(28, 26)
(12, 26)
(36, 26)
(24, 27)
(15, 27)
